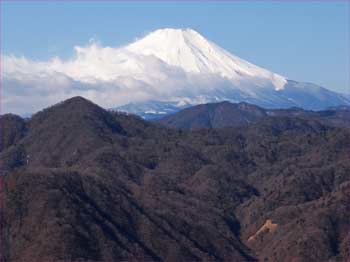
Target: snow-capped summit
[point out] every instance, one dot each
(189, 50)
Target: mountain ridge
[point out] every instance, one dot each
(146, 192)
(227, 114)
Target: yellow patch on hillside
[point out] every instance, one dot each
(268, 227)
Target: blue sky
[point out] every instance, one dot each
(304, 41)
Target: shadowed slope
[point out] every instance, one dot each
(216, 115)
(108, 186)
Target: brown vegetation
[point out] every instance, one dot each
(84, 183)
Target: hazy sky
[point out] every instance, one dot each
(304, 41)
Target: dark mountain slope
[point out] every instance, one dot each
(274, 190)
(226, 114)
(336, 116)
(13, 128)
(66, 132)
(215, 115)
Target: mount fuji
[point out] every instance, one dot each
(210, 74)
(159, 74)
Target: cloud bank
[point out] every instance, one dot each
(108, 76)
(105, 75)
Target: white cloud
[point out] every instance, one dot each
(108, 76)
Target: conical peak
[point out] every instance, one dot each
(174, 31)
(184, 48)
(168, 38)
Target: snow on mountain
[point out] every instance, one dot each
(187, 49)
(166, 70)
(153, 109)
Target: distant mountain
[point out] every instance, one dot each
(80, 183)
(151, 109)
(212, 74)
(226, 114)
(215, 115)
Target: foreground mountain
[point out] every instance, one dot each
(163, 72)
(226, 114)
(81, 183)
